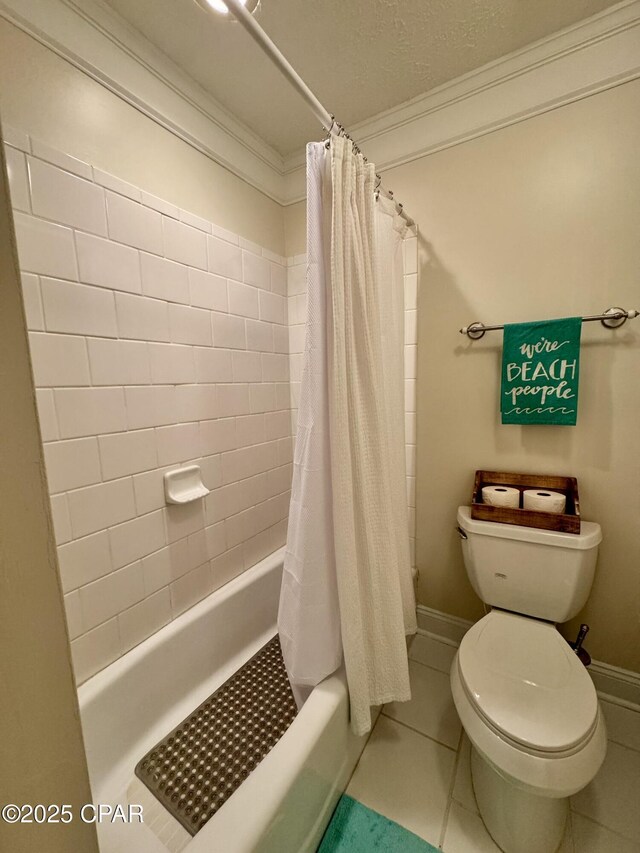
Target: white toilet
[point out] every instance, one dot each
(525, 700)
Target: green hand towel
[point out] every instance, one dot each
(540, 371)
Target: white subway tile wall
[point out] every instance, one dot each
(157, 339)
(297, 316)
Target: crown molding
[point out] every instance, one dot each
(93, 38)
(596, 54)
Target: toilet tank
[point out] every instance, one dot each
(526, 570)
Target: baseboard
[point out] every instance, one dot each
(617, 684)
(441, 625)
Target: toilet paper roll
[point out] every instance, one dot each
(501, 496)
(543, 500)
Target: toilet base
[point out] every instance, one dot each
(518, 821)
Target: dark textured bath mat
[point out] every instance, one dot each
(197, 766)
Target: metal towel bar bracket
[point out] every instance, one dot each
(612, 318)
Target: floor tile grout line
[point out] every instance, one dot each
(452, 784)
(604, 826)
(569, 839)
(451, 800)
(465, 807)
(456, 750)
(568, 833)
(428, 666)
(572, 811)
(369, 736)
(418, 732)
(623, 745)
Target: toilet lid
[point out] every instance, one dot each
(527, 682)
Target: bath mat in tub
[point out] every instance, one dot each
(356, 829)
(197, 766)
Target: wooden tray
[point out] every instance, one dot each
(567, 522)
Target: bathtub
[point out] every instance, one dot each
(285, 804)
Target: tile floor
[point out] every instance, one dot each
(415, 770)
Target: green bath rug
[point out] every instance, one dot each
(356, 829)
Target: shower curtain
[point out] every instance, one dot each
(347, 591)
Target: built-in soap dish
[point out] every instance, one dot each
(184, 485)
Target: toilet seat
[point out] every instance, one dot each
(526, 683)
(548, 774)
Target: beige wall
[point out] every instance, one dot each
(295, 229)
(41, 751)
(537, 220)
(47, 97)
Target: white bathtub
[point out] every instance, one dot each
(285, 804)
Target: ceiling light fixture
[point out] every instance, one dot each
(220, 6)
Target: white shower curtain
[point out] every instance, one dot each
(347, 591)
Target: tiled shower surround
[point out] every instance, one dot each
(158, 339)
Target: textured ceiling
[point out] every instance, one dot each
(360, 57)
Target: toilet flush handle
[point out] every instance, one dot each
(461, 533)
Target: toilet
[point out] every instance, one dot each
(524, 698)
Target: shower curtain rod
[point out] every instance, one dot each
(325, 118)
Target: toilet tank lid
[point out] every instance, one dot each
(590, 533)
